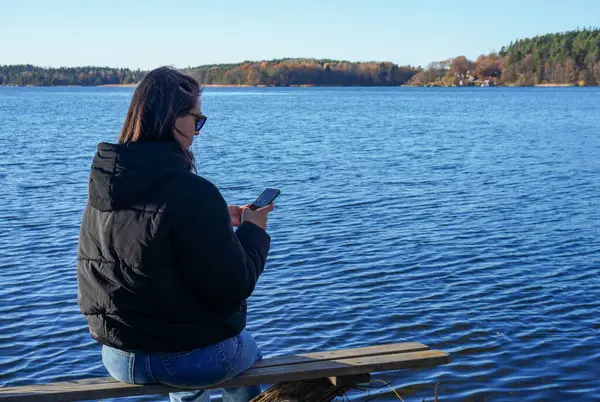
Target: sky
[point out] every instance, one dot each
(151, 33)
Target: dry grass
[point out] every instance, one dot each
(311, 391)
(302, 391)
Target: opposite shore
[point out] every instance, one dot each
(313, 85)
(297, 86)
(541, 61)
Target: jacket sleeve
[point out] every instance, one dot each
(222, 264)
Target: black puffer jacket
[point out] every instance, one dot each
(159, 266)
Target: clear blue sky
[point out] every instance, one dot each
(146, 34)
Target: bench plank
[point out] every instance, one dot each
(339, 367)
(322, 365)
(81, 390)
(340, 354)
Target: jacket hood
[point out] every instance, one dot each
(123, 173)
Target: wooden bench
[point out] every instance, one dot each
(342, 369)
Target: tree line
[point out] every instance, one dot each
(279, 72)
(26, 74)
(569, 58)
(284, 72)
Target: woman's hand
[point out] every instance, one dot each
(258, 216)
(235, 213)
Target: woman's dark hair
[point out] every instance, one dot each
(163, 95)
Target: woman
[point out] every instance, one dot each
(163, 278)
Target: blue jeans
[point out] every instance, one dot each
(198, 368)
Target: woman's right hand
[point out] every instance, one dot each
(258, 216)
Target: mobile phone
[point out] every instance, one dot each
(265, 198)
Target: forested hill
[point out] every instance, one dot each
(281, 72)
(274, 72)
(26, 74)
(570, 58)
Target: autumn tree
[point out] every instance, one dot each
(460, 66)
(253, 76)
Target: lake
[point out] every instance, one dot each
(467, 219)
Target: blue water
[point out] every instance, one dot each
(465, 219)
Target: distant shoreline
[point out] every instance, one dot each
(554, 85)
(202, 85)
(295, 86)
(257, 86)
(113, 85)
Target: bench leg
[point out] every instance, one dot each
(320, 390)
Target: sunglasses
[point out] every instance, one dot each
(200, 120)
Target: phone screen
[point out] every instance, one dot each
(267, 197)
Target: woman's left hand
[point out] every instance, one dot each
(235, 213)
